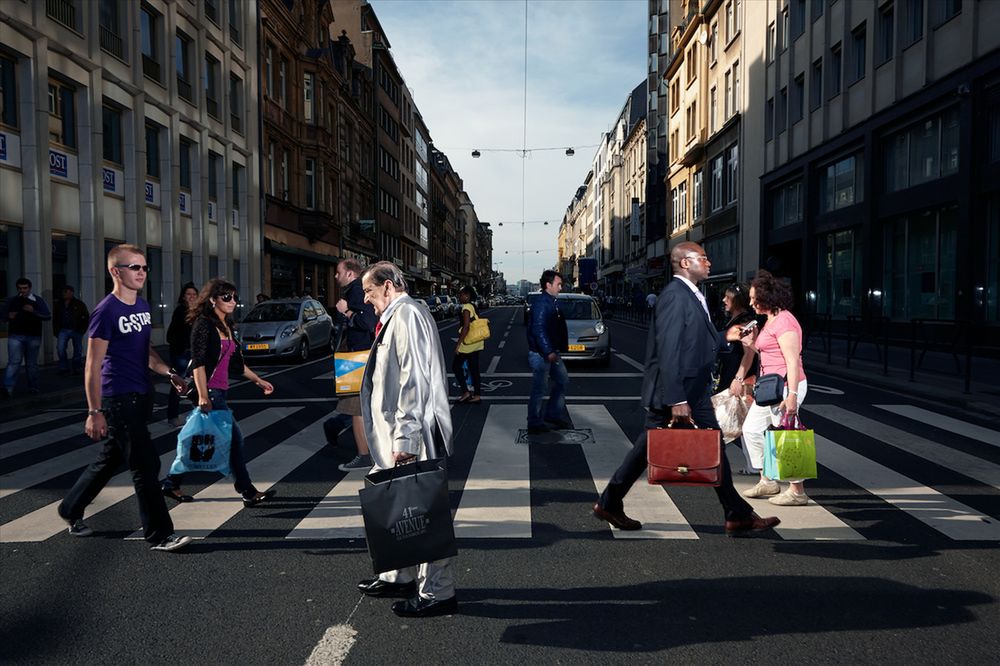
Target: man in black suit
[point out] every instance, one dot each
(680, 354)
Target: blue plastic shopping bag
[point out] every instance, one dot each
(203, 443)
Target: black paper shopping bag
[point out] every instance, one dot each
(407, 515)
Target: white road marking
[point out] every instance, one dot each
(984, 435)
(635, 364)
(38, 440)
(496, 500)
(37, 419)
(338, 515)
(501, 345)
(332, 648)
(493, 365)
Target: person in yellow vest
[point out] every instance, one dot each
(467, 353)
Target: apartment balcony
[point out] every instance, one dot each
(315, 224)
(695, 151)
(62, 11)
(112, 42)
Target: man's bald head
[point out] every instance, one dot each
(681, 250)
(690, 261)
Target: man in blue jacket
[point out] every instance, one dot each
(547, 336)
(25, 313)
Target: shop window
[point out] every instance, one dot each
(8, 91)
(922, 152)
(919, 265)
(787, 205)
(838, 274)
(11, 261)
(841, 184)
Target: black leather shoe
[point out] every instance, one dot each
(538, 430)
(257, 498)
(176, 495)
(558, 424)
(420, 607)
(376, 587)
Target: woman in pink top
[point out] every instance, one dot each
(779, 345)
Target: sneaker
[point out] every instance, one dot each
(789, 498)
(78, 528)
(172, 543)
(762, 489)
(359, 462)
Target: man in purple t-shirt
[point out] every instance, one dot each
(119, 402)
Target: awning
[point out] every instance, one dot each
(281, 248)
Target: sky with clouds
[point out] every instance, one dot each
(464, 61)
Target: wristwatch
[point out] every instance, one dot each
(94, 412)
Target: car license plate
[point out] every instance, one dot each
(257, 346)
(578, 348)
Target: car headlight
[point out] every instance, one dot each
(599, 328)
(288, 330)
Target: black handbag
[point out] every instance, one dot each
(407, 515)
(769, 390)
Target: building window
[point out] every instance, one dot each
(798, 99)
(310, 183)
(234, 22)
(184, 77)
(111, 128)
(737, 94)
(838, 274)
(781, 119)
(212, 11)
(8, 91)
(682, 201)
(284, 174)
(692, 64)
(237, 179)
(913, 22)
(213, 176)
(841, 184)
(713, 108)
(859, 45)
(716, 191)
(816, 85)
(236, 103)
(943, 11)
(714, 43)
(692, 122)
(212, 86)
(732, 174)
(110, 28)
(282, 82)
(883, 38)
(62, 11)
(270, 168)
(675, 96)
(729, 94)
(919, 265)
(269, 70)
(769, 120)
(152, 151)
(675, 210)
(785, 28)
(772, 41)
(185, 164)
(923, 152)
(730, 21)
(787, 205)
(307, 96)
(817, 9)
(696, 196)
(798, 18)
(835, 69)
(149, 22)
(62, 113)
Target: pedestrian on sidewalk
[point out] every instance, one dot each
(779, 347)
(25, 313)
(681, 348)
(120, 401)
(359, 331)
(404, 401)
(179, 339)
(736, 362)
(69, 323)
(547, 337)
(467, 355)
(214, 356)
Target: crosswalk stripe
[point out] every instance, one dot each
(26, 477)
(939, 511)
(496, 500)
(959, 461)
(28, 422)
(337, 516)
(217, 503)
(970, 430)
(650, 505)
(811, 522)
(44, 523)
(38, 440)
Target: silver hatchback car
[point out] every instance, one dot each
(589, 338)
(286, 328)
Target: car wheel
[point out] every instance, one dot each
(304, 350)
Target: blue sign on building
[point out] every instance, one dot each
(58, 164)
(109, 180)
(3, 147)
(149, 192)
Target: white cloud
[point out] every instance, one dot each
(464, 62)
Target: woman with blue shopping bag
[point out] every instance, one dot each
(214, 355)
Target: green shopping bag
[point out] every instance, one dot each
(790, 451)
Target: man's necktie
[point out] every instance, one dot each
(378, 327)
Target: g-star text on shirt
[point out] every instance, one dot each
(134, 322)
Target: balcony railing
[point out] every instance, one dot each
(112, 42)
(63, 11)
(150, 67)
(184, 89)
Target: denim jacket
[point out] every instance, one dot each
(547, 328)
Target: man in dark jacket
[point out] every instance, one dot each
(359, 331)
(24, 313)
(547, 336)
(69, 322)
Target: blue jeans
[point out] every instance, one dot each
(542, 371)
(22, 348)
(241, 477)
(65, 336)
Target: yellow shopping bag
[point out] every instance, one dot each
(348, 370)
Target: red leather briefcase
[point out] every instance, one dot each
(684, 456)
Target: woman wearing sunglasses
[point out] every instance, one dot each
(215, 355)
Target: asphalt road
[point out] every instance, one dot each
(894, 561)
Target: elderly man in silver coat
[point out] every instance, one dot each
(404, 406)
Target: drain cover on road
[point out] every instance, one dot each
(574, 436)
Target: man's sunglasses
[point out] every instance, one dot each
(134, 267)
(226, 298)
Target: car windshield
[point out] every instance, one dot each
(274, 312)
(578, 308)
